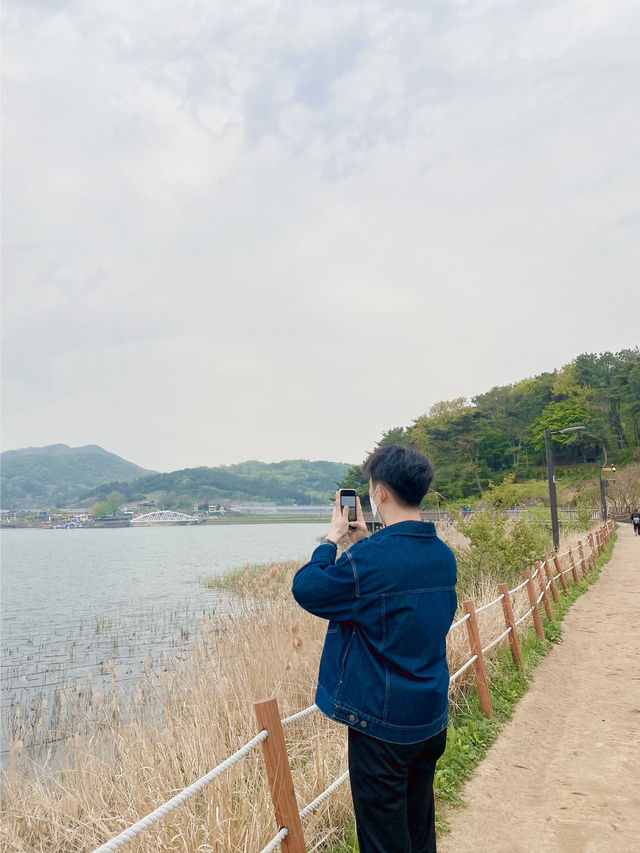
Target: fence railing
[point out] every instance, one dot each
(570, 566)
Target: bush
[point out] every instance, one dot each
(500, 548)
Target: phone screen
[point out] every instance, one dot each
(350, 501)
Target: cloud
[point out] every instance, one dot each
(260, 214)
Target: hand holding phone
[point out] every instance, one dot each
(341, 523)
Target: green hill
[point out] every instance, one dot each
(299, 481)
(57, 474)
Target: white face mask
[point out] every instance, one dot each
(374, 505)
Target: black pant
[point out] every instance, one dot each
(392, 790)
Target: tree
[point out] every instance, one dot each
(451, 426)
(99, 510)
(624, 493)
(113, 502)
(557, 416)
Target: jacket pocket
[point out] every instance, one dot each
(333, 627)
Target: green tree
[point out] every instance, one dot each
(113, 502)
(556, 416)
(99, 510)
(451, 426)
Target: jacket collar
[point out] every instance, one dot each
(408, 528)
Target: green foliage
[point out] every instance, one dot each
(500, 547)
(114, 501)
(109, 506)
(509, 493)
(557, 415)
(100, 509)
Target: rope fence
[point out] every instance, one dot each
(290, 836)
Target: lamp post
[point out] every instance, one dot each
(553, 498)
(603, 485)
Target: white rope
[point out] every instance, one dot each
(162, 811)
(519, 587)
(540, 597)
(460, 621)
(548, 584)
(276, 841)
(497, 640)
(566, 571)
(306, 811)
(490, 604)
(294, 718)
(560, 556)
(463, 668)
(522, 618)
(534, 574)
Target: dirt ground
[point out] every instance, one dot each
(564, 775)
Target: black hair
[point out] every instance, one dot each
(407, 471)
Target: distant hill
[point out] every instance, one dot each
(293, 481)
(57, 474)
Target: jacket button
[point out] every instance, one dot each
(352, 718)
(364, 724)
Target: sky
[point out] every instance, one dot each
(273, 230)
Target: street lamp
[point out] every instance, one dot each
(603, 485)
(553, 498)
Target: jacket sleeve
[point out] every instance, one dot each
(326, 587)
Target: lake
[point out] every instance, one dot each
(81, 604)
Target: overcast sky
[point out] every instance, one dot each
(269, 230)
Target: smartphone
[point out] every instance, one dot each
(348, 498)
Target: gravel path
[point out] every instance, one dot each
(564, 775)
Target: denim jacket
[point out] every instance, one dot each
(390, 601)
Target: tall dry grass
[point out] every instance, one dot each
(186, 716)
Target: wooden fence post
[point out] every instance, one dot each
(558, 565)
(583, 563)
(574, 568)
(543, 590)
(549, 573)
(276, 760)
(514, 639)
(476, 649)
(537, 621)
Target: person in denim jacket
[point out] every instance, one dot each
(390, 600)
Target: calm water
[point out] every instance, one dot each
(77, 602)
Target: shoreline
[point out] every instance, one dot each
(257, 519)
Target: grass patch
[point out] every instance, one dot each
(255, 580)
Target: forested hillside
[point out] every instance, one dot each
(53, 475)
(500, 433)
(293, 481)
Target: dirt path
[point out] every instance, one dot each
(564, 774)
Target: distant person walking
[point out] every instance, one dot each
(635, 520)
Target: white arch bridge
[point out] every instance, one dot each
(163, 516)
